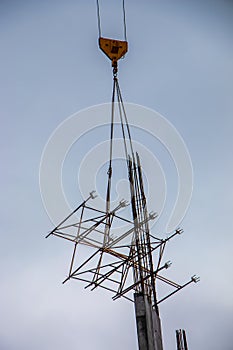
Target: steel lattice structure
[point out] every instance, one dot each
(132, 261)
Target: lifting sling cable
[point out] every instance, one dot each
(121, 103)
(128, 145)
(108, 199)
(125, 133)
(139, 207)
(99, 20)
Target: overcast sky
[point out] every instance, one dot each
(180, 64)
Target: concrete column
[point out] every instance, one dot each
(148, 324)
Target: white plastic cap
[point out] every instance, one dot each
(124, 203)
(152, 215)
(93, 194)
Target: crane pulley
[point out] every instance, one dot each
(114, 49)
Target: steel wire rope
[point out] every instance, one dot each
(124, 19)
(98, 17)
(132, 169)
(120, 99)
(122, 124)
(141, 214)
(108, 195)
(134, 180)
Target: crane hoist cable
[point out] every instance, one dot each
(113, 49)
(124, 19)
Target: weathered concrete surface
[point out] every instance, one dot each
(148, 324)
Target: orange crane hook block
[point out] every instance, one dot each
(114, 49)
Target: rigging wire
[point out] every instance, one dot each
(141, 250)
(98, 17)
(124, 19)
(108, 194)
